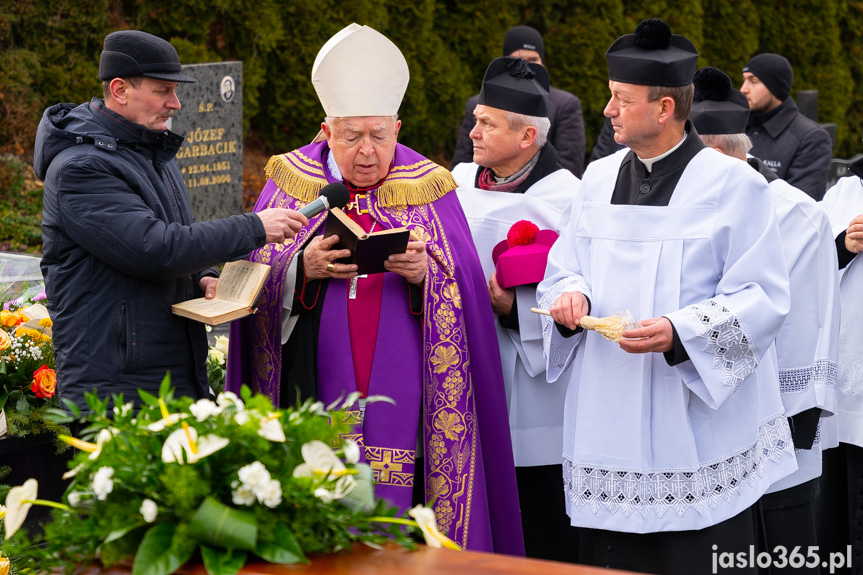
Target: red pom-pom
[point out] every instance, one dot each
(521, 233)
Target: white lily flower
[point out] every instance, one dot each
(271, 429)
(222, 344)
(316, 407)
(103, 483)
(425, 518)
(104, 437)
(242, 418)
(186, 441)
(74, 498)
(324, 495)
(228, 398)
(16, 508)
(72, 472)
(149, 510)
(204, 409)
(351, 450)
(321, 462)
(172, 419)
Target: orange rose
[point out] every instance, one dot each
(44, 382)
(5, 340)
(11, 318)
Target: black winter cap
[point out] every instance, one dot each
(717, 108)
(133, 53)
(652, 56)
(523, 38)
(774, 71)
(515, 85)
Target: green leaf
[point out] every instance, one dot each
(22, 405)
(285, 551)
(165, 387)
(155, 555)
(362, 496)
(72, 407)
(147, 397)
(222, 562)
(119, 533)
(3, 397)
(218, 525)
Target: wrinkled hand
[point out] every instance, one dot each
(501, 299)
(854, 235)
(208, 286)
(318, 254)
(281, 224)
(411, 265)
(656, 335)
(568, 309)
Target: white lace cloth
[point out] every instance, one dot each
(557, 356)
(649, 492)
(801, 379)
(727, 339)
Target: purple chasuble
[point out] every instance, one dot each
(446, 369)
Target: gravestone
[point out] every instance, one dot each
(211, 121)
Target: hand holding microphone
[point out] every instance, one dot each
(281, 224)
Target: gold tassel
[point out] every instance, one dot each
(424, 190)
(292, 181)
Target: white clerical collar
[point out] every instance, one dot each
(334, 168)
(648, 163)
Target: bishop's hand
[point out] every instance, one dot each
(318, 260)
(411, 265)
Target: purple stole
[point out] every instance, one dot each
(449, 369)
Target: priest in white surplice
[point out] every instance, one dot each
(808, 343)
(840, 506)
(672, 435)
(516, 176)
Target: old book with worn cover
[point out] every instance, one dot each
(369, 251)
(236, 292)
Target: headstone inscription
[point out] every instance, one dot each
(211, 121)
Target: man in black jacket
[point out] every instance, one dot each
(567, 124)
(119, 241)
(797, 149)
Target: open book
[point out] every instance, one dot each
(236, 292)
(369, 251)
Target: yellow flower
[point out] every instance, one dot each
(450, 424)
(46, 322)
(444, 357)
(4, 565)
(5, 340)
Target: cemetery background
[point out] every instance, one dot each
(49, 53)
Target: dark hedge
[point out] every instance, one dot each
(49, 53)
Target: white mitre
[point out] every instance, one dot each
(360, 72)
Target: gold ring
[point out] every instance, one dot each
(330, 267)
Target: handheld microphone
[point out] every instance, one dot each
(333, 195)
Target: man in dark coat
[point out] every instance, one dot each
(567, 124)
(797, 149)
(119, 241)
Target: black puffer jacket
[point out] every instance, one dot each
(797, 149)
(120, 246)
